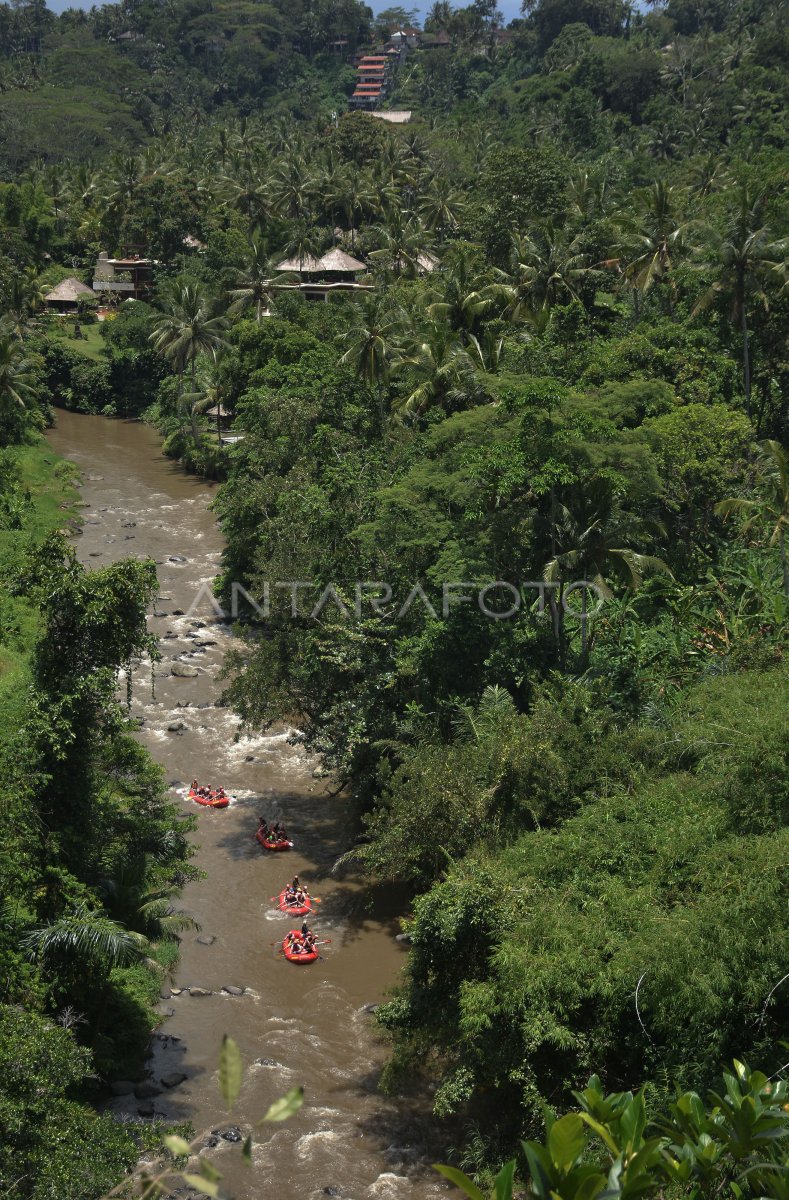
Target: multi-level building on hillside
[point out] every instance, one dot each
(371, 80)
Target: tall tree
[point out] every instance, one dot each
(595, 539)
(189, 326)
(652, 233)
(772, 507)
(747, 261)
(256, 281)
(18, 385)
(372, 343)
(437, 369)
(544, 270)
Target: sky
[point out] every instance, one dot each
(508, 8)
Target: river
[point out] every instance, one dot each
(294, 1024)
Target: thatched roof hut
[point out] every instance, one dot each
(306, 264)
(335, 261)
(66, 296)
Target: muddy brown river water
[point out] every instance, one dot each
(294, 1025)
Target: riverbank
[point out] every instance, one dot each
(47, 490)
(77, 1001)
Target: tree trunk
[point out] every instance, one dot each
(381, 416)
(192, 413)
(784, 564)
(746, 352)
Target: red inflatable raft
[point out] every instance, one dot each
(296, 958)
(267, 845)
(298, 910)
(209, 801)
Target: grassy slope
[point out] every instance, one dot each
(53, 501)
(91, 344)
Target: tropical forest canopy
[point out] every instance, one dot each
(569, 363)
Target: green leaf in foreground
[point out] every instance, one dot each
(566, 1140)
(177, 1145)
(460, 1180)
(205, 1186)
(287, 1106)
(231, 1071)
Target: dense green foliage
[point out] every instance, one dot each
(569, 364)
(614, 1146)
(90, 849)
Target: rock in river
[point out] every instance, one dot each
(147, 1089)
(122, 1087)
(173, 1079)
(184, 670)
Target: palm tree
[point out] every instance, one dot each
(89, 945)
(594, 539)
(23, 296)
(303, 243)
(293, 188)
(250, 195)
(544, 270)
(652, 237)
(441, 206)
(85, 934)
(476, 723)
(373, 341)
(138, 906)
(772, 506)
(438, 369)
(486, 350)
(212, 392)
(123, 180)
(464, 299)
(745, 257)
(18, 380)
(439, 14)
(256, 281)
(56, 186)
(189, 327)
(384, 191)
(404, 241)
(591, 193)
(353, 196)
